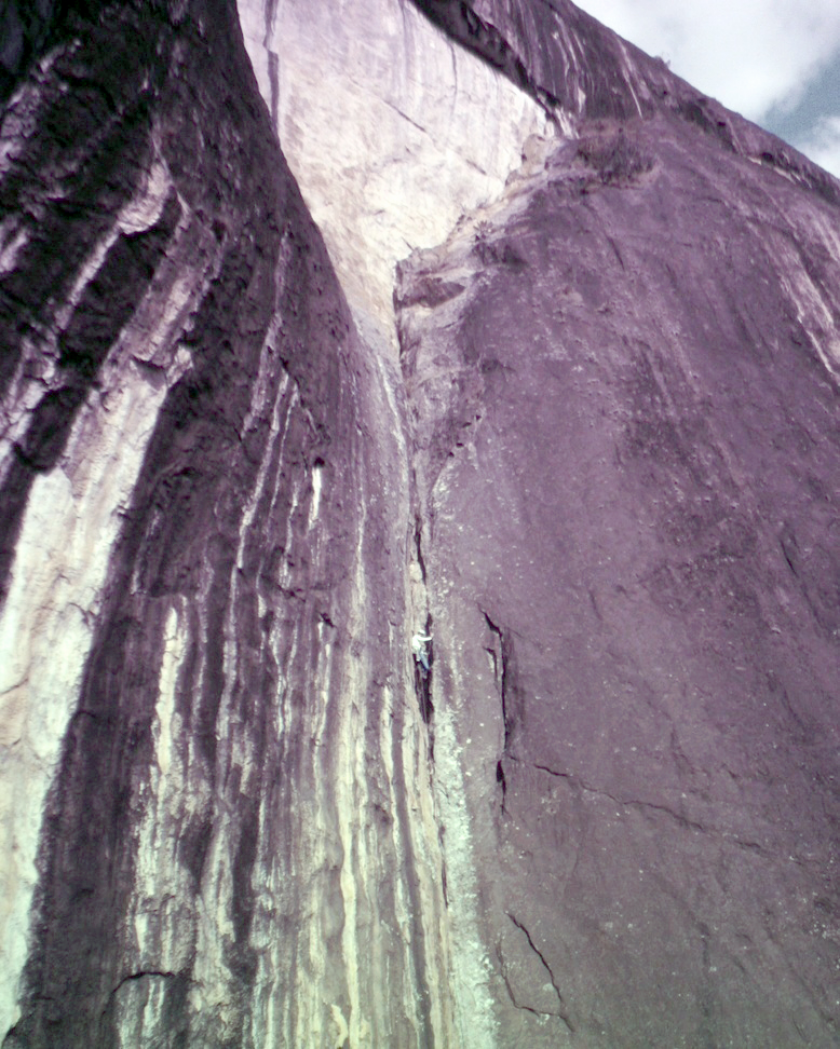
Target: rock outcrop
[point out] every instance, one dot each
(557, 389)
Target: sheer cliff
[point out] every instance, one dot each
(330, 327)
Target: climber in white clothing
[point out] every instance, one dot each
(419, 650)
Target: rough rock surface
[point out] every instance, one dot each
(585, 435)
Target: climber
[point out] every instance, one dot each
(419, 650)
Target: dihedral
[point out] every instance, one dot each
(419, 556)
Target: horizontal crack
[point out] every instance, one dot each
(684, 821)
(159, 973)
(623, 802)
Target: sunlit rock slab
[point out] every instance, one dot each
(393, 130)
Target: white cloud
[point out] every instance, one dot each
(749, 54)
(823, 144)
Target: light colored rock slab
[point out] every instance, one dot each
(392, 131)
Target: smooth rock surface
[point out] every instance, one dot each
(392, 130)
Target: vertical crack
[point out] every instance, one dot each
(501, 780)
(502, 653)
(423, 678)
(422, 645)
(418, 542)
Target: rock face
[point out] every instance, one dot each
(216, 808)
(559, 389)
(393, 131)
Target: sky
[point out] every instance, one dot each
(777, 62)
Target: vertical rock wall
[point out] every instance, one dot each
(622, 383)
(558, 387)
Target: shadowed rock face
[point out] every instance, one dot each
(594, 456)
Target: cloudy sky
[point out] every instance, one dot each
(775, 61)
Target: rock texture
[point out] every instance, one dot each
(558, 388)
(626, 440)
(216, 807)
